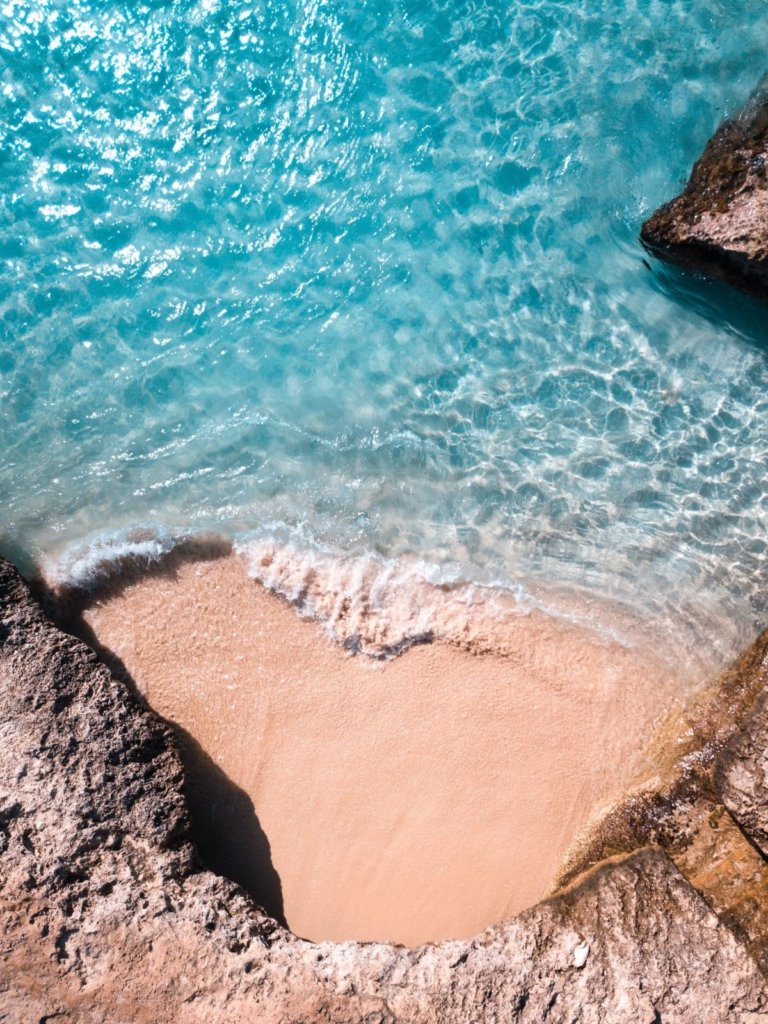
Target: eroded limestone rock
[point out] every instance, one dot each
(107, 915)
(718, 225)
(742, 775)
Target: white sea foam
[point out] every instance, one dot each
(377, 605)
(87, 562)
(380, 606)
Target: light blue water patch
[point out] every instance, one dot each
(370, 271)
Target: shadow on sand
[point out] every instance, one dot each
(226, 829)
(224, 825)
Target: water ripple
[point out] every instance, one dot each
(373, 274)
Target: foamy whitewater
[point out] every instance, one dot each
(361, 282)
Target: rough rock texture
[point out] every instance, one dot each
(742, 775)
(719, 224)
(106, 914)
(685, 815)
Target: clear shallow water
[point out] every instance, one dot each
(369, 278)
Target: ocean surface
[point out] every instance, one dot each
(363, 279)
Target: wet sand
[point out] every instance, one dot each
(414, 799)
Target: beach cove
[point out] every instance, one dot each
(442, 788)
(384, 497)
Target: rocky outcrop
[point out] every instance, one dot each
(742, 775)
(718, 225)
(107, 914)
(684, 815)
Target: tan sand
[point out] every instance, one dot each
(421, 798)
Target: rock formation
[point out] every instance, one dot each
(108, 914)
(718, 225)
(742, 776)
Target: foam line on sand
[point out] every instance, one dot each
(416, 798)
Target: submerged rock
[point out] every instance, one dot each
(107, 913)
(718, 225)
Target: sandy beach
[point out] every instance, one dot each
(412, 799)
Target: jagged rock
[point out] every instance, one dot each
(718, 225)
(107, 915)
(742, 775)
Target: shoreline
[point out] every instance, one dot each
(132, 923)
(381, 605)
(512, 750)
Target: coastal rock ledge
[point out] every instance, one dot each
(109, 916)
(742, 775)
(718, 225)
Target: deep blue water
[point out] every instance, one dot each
(368, 275)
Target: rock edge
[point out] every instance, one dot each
(718, 225)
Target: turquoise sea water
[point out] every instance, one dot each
(367, 276)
